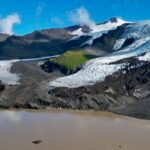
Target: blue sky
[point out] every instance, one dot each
(38, 14)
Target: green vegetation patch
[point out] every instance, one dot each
(72, 59)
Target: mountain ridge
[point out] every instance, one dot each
(47, 42)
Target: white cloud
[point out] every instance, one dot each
(81, 16)
(57, 21)
(7, 23)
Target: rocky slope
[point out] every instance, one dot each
(31, 90)
(3, 37)
(125, 92)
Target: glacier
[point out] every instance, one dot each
(98, 69)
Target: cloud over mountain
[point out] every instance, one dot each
(81, 16)
(7, 23)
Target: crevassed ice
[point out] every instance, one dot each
(140, 31)
(137, 30)
(87, 76)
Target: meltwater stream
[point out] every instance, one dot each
(72, 130)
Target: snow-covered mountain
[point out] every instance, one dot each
(100, 28)
(98, 69)
(97, 30)
(49, 42)
(116, 79)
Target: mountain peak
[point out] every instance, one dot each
(117, 20)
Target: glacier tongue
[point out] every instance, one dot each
(9, 78)
(88, 76)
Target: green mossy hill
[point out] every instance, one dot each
(71, 59)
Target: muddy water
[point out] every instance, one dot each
(67, 130)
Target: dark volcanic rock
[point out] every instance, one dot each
(124, 90)
(52, 67)
(127, 42)
(2, 86)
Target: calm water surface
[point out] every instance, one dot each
(72, 130)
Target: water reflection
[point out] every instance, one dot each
(10, 116)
